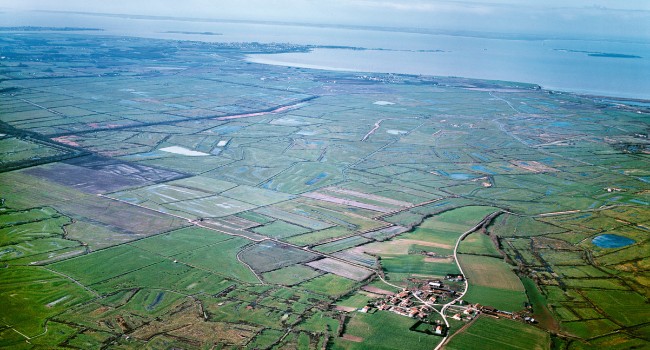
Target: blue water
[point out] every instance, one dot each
(316, 179)
(611, 241)
(155, 302)
(460, 176)
(554, 64)
(482, 169)
(511, 60)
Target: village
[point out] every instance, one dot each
(418, 302)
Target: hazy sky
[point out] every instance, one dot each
(593, 18)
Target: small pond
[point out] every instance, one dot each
(611, 241)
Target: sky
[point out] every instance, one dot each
(620, 19)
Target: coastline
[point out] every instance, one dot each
(266, 58)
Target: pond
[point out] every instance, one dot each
(611, 241)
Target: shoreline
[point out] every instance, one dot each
(256, 58)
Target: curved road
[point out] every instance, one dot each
(460, 268)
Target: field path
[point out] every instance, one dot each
(73, 280)
(372, 131)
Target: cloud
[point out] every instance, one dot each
(438, 6)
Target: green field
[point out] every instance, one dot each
(383, 331)
(328, 284)
(107, 263)
(280, 229)
(415, 264)
(490, 333)
(502, 299)
(478, 244)
(221, 259)
(341, 244)
(489, 272)
(319, 236)
(290, 275)
(179, 241)
(31, 295)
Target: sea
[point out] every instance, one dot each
(604, 67)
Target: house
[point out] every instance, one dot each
(489, 310)
(455, 277)
(456, 317)
(365, 309)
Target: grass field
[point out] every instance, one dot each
(489, 333)
(167, 275)
(293, 216)
(30, 295)
(445, 228)
(319, 236)
(502, 299)
(256, 196)
(221, 258)
(290, 275)
(416, 264)
(179, 241)
(341, 244)
(280, 229)
(383, 330)
(489, 272)
(106, 263)
(589, 328)
(478, 244)
(626, 307)
(329, 284)
(268, 255)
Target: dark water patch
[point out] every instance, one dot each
(611, 241)
(601, 54)
(316, 179)
(156, 301)
(612, 55)
(482, 169)
(191, 33)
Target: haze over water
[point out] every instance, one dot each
(582, 66)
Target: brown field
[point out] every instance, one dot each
(397, 246)
(345, 308)
(376, 290)
(332, 199)
(353, 338)
(369, 196)
(438, 260)
(340, 268)
(532, 166)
